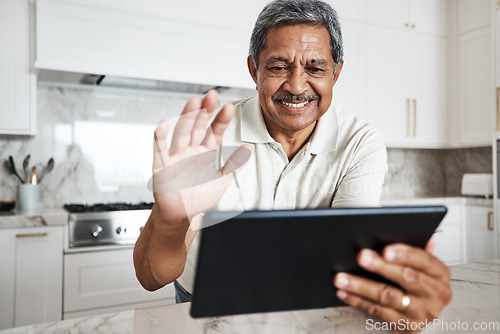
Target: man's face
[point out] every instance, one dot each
(295, 77)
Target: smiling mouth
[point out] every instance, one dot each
(295, 105)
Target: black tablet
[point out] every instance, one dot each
(266, 261)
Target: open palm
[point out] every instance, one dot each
(187, 178)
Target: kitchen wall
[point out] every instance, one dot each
(101, 141)
(431, 173)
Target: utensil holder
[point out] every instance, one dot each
(29, 196)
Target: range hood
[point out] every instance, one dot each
(61, 78)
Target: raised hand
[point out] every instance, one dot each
(187, 179)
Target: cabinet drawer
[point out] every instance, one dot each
(449, 245)
(105, 279)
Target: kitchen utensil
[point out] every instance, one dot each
(12, 169)
(26, 163)
(46, 170)
(33, 180)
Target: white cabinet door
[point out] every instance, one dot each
(7, 278)
(428, 90)
(349, 91)
(387, 83)
(94, 281)
(474, 14)
(388, 13)
(349, 9)
(17, 80)
(31, 279)
(429, 16)
(475, 88)
(450, 235)
(480, 233)
(80, 37)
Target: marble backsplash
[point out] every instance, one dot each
(101, 141)
(432, 173)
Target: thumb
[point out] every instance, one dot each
(238, 159)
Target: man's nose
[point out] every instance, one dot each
(296, 82)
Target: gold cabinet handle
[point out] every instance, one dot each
(490, 221)
(415, 117)
(498, 108)
(408, 115)
(31, 235)
(413, 26)
(407, 25)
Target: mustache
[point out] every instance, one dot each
(290, 97)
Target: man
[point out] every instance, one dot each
(304, 154)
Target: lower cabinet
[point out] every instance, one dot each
(450, 236)
(466, 233)
(104, 281)
(31, 275)
(480, 233)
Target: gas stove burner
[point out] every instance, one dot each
(105, 207)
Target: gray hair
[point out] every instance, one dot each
(280, 13)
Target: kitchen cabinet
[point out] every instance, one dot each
(97, 282)
(349, 90)
(475, 68)
(450, 235)
(402, 101)
(31, 278)
(208, 46)
(480, 233)
(17, 77)
(474, 14)
(421, 16)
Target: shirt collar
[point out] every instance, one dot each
(254, 129)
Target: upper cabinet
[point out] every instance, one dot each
(473, 15)
(188, 41)
(423, 16)
(475, 73)
(17, 77)
(406, 76)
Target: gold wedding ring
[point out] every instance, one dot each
(405, 302)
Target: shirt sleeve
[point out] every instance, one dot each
(362, 184)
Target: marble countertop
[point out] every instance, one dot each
(476, 302)
(51, 217)
(438, 200)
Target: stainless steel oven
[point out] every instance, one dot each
(99, 274)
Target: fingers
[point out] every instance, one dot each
(416, 258)
(208, 106)
(210, 101)
(237, 159)
(431, 244)
(160, 149)
(408, 277)
(219, 125)
(374, 309)
(379, 293)
(182, 131)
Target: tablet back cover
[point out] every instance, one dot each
(266, 261)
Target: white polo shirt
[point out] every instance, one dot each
(342, 165)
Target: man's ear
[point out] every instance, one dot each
(337, 71)
(252, 69)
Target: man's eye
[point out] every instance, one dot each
(277, 68)
(315, 70)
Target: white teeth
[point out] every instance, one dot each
(295, 105)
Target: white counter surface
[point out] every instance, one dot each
(476, 302)
(438, 201)
(52, 217)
